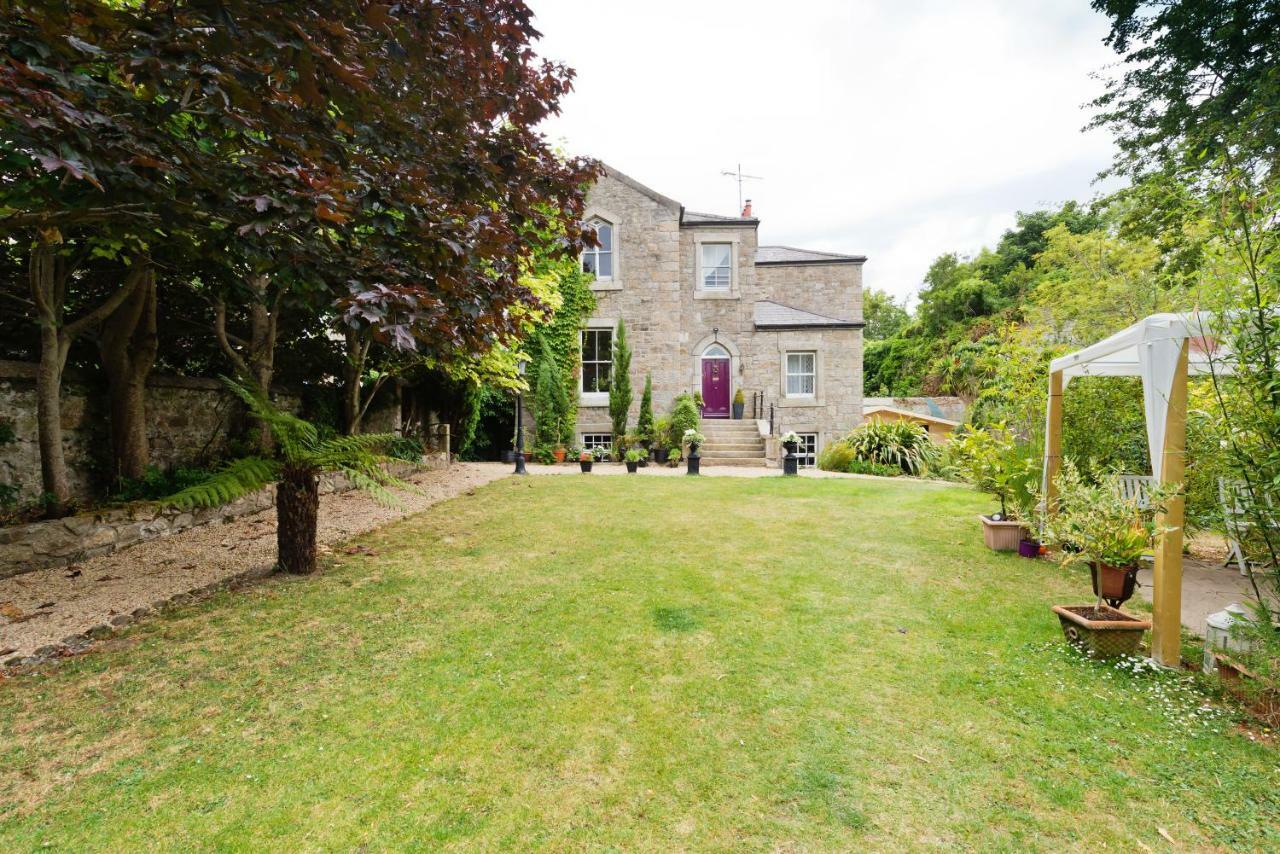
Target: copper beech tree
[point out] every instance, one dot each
(380, 161)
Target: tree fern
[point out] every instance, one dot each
(302, 455)
(237, 479)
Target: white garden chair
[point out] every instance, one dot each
(1236, 520)
(1137, 488)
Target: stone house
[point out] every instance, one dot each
(710, 310)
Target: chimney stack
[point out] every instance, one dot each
(746, 210)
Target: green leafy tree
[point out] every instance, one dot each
(1200, 81)
(644, 422)
(884, 317)
(620, 382)
(303, 455)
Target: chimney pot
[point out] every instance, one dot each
(746, 210)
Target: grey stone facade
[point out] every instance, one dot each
(778, 300)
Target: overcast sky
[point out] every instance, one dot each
(898, 130)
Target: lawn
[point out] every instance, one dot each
(633, 663)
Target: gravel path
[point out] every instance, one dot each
(50, 611)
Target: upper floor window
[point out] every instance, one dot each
(717, 266)
(597, 359)
(802, 374)
(599, 259)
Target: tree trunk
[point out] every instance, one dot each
(53, 462)
(257, 363)
(355, 403)
(297, 503)
(49, 274)
(128, 346)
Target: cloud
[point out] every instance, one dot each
(900, 131)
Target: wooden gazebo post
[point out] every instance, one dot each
(1053, 442)
(1166, 594)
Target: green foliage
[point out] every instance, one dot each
(644, 423)
(684, 416)
(1199, 82)
(407, 448)
(902, 444)
(550, 403)
(995, 462)
(545, 454)
(739, 399)
(301, 449)
(620, 381)
(636, 455)
(884, 317)
(1094, 523)
(560, 338)
(157, 483)
(879, 469)
(836, 456)
(599, 453)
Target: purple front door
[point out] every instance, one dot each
(715, 388)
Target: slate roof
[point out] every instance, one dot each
(791, 255)
(775, 315)
(696, 218)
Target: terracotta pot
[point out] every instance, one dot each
(1113, 583)
(1101, 631)
(559, 454)
(1003, 536)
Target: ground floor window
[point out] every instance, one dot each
(597, 440)
(807, 452)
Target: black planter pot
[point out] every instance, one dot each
(790, 462)
(737, 410)
(660, 454)
(693, 461)
(632, 467)
(585, 465)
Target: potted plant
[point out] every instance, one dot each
(559, 452)
(673, 456)
(584, 462)
(600, 454)
(694, 440)
(739, 402)
(1095, 524)
(660, 444)
(790, 464)
(992, 460)
(633, 458)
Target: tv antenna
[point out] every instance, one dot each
(740, 176)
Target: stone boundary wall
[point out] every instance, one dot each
(61, 542)
(188, 419)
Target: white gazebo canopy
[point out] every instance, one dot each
(1163, 349)
(1150, 349)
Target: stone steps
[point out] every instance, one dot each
(731, 443)
(734, 461)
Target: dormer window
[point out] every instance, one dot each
(598, 260)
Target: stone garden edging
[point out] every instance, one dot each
(62, 542)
